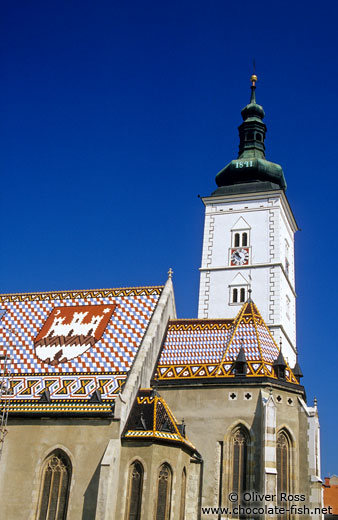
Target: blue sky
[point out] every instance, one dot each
(116, 115)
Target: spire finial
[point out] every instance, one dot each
(249, 293)
(170, 273)
(253, 80)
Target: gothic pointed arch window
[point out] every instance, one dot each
(183, 493)
(283, 463)
(55, 487)
(164, 492)
(135, 488)
(239, 449)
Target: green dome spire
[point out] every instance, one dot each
(251, 171)
(252, 131)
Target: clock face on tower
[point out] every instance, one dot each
(239, 256)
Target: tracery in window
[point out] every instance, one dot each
(164, 492)
(239, 462)
(135, 486)
(283, 465)
(183, 492)
(55, 487)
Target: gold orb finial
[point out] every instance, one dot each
(253, 79)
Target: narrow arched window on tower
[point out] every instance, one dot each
(236, 240)
(183, 492)
(242, 295)
(234, 295)
(55, 487)
(135, 485)
(244, 239)
(239, 462)
(164, 493)
(283, 466)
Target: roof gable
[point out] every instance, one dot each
(239, 280)
(240, 224)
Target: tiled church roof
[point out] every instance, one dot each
(205, 349)
(72, 343)
(151, 419)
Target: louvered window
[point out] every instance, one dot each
(164, 493)
(239, 462)
(55, 488)
(183, 492)
(135, 491)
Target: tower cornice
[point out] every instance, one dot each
(258, 195)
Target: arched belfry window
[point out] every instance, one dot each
(283, 463)
(164, 492)
(240, 233)
(239, 448)
(55, 487)
(135, 486)
(235, 295)
(183, 493)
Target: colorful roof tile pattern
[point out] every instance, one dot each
(151, 418)
(204, 349)
(29, 407)
(72, 343)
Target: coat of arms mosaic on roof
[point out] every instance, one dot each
(73, 343)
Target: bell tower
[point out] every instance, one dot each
(248, 242)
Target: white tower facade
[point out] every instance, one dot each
(248, 240)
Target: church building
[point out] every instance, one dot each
(113, 408)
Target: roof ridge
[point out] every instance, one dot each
(171, 415)
(254, 308)
(274, 341)
(60, 291)
(211, 320)
(235, 325)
